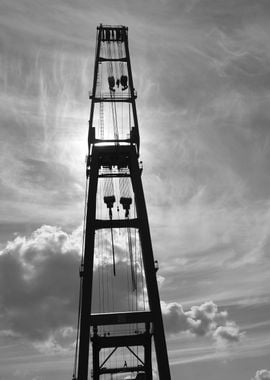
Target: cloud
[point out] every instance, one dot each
(262, 374)
(229, 333)
(203, 320)
(40, 284)
(205, 66)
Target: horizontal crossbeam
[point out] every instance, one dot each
(112, 155)
(103, 59)
(121, 340)
(113, 97)
(139, 368)
(120, 318)
(116, 223)
(114, 141)
(114, 175)
(108, 99)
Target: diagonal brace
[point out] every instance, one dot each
(136, 356)
(108, 357)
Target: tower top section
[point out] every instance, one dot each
(113, 115)
(113, 33)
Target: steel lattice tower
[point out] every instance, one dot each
(115, 156)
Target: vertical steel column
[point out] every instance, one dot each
(94, 88)
(148, 354)
(88, 272)
(96, 350)
(131, 87)
(150, 273)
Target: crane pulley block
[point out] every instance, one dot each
(109, 200)
(126, 202)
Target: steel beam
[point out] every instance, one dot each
(150, 273)
(116, 223)
(120, 341)
(120, 318)
(138, 368)
(87, 274)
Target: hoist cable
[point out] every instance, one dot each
(112, 95)
(136, 275)
(142, 275)
(125, 194)
(109, 193)
(134, 285)
(114, 117)
(101, 108)
(113, 253)
(100, 249)
(121, 56)
(124, 187)
(115, 63)
(129, 117)
(128, 282)
(108, 187)
(102, 275)
(78, 329)
(106, 280)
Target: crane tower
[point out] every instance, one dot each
(119, 311)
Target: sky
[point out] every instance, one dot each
(201, 69)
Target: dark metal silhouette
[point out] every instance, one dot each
(122, 154)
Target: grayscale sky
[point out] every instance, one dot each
(202, 72)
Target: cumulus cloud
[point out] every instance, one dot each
(40, 284)
(203, 320)
(262, 374)
(39, 293)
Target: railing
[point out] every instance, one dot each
(118, 96)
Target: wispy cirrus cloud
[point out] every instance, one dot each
(201, 69)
